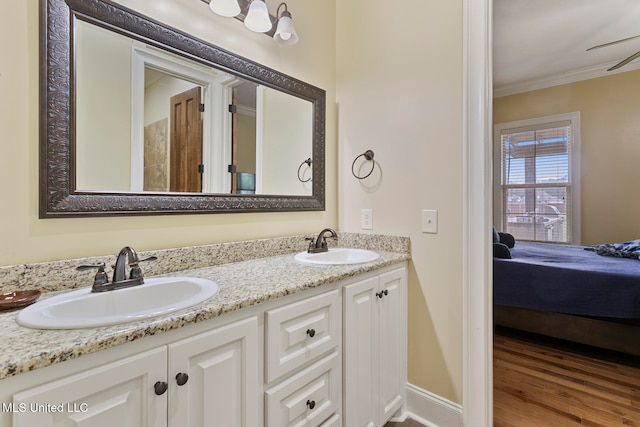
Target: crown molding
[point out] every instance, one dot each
(562, 78)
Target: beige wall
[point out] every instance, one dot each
(399, 93)
(610, 147)
(25, 238)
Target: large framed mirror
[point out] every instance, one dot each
(140, 118)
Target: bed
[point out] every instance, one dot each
(570, 293)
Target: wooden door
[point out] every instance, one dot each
(186, 142)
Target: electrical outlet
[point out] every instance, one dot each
(429, 221)
(366, 219)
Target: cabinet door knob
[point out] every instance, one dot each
(385, 292)
(311, 404)
(160, 387)
(182, 378)
(311, 333)
(379, 294)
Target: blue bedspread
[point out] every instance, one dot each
(567, 279)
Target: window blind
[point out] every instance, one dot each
(536, 182)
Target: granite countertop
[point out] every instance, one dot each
(242, 284)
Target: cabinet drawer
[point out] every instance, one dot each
(309, 398)
(301, 332)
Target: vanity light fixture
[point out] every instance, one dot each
(227, 8)
(256, 17)
(286, 31)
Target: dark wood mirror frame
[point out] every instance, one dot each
(58, 197)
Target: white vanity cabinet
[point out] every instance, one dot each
(375, 348)
(330, 356)
(220, 388)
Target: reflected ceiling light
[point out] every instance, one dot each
(228, 8)
(286, 31)
(258, 19)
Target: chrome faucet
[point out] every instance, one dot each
(119, 275)
(126, 256)
(320, 244)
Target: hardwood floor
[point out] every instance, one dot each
(408, 423)
(546, 384)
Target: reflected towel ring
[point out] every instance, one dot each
(308, 163)
(367, 155)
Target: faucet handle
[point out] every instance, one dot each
(311, 241)
(135, 270)
(100, 277)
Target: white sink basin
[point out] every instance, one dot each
(84, 309)
(337, 256)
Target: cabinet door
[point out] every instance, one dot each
(222, 387)
(117, 394)
(360, 353)
(392, 343)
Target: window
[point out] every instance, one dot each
(537, 190)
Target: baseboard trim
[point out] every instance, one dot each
(432, 410)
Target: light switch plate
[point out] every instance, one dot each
(366, 219)
(429, 221)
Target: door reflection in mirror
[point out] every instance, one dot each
(172, 134)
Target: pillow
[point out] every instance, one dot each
(500, 250)
(507, 239)
(496, 236)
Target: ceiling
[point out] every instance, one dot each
(542, 43)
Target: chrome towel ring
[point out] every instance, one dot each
(308, 163)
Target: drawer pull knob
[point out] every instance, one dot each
(382, 293)
(311, 404)
(311, 333)
(182, 378)
(160, 387)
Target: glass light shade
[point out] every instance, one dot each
(286, 31)
(258, 17)
(228, 8)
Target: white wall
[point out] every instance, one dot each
(283, 144)
(399, 93)
(103, 79)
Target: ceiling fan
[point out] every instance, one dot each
(623, 62)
